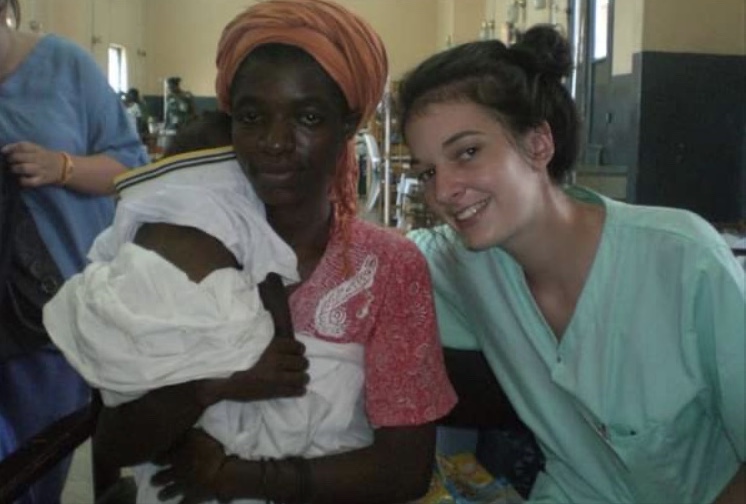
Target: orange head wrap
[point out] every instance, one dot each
(343, 44)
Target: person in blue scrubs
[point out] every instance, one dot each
(617, 331)
(65, 135)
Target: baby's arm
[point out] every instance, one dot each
(193, 251)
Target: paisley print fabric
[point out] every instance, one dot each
(385, 305)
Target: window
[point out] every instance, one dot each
(118, 68)
(10, 19)
(600, 29)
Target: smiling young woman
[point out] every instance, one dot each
(616, 331)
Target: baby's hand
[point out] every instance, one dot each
(281, 371)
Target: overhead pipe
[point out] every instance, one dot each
(387, 154)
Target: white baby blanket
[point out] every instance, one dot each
(138, 323)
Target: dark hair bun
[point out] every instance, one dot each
(550, 50)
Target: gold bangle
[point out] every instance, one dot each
(67, 168)
(62, 170)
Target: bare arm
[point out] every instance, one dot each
(94, 174)
(37, 166)
(140, 430)
(397, 467)
(145, 428)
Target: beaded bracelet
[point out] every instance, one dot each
(265, 479)
(303, 480)
(303, 483)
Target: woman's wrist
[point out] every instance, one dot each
(67, 169)
(223, 482)
(286, 480)
(239, 479)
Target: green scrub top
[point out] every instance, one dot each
(643, 398)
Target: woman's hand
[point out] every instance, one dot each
(34, 165)
(193, 465)
(281, 371)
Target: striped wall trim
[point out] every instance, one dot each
(171, 164)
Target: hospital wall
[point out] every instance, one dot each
(671, 110)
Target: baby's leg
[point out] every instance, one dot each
(275, 300)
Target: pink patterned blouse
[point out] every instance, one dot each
(386, 305)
